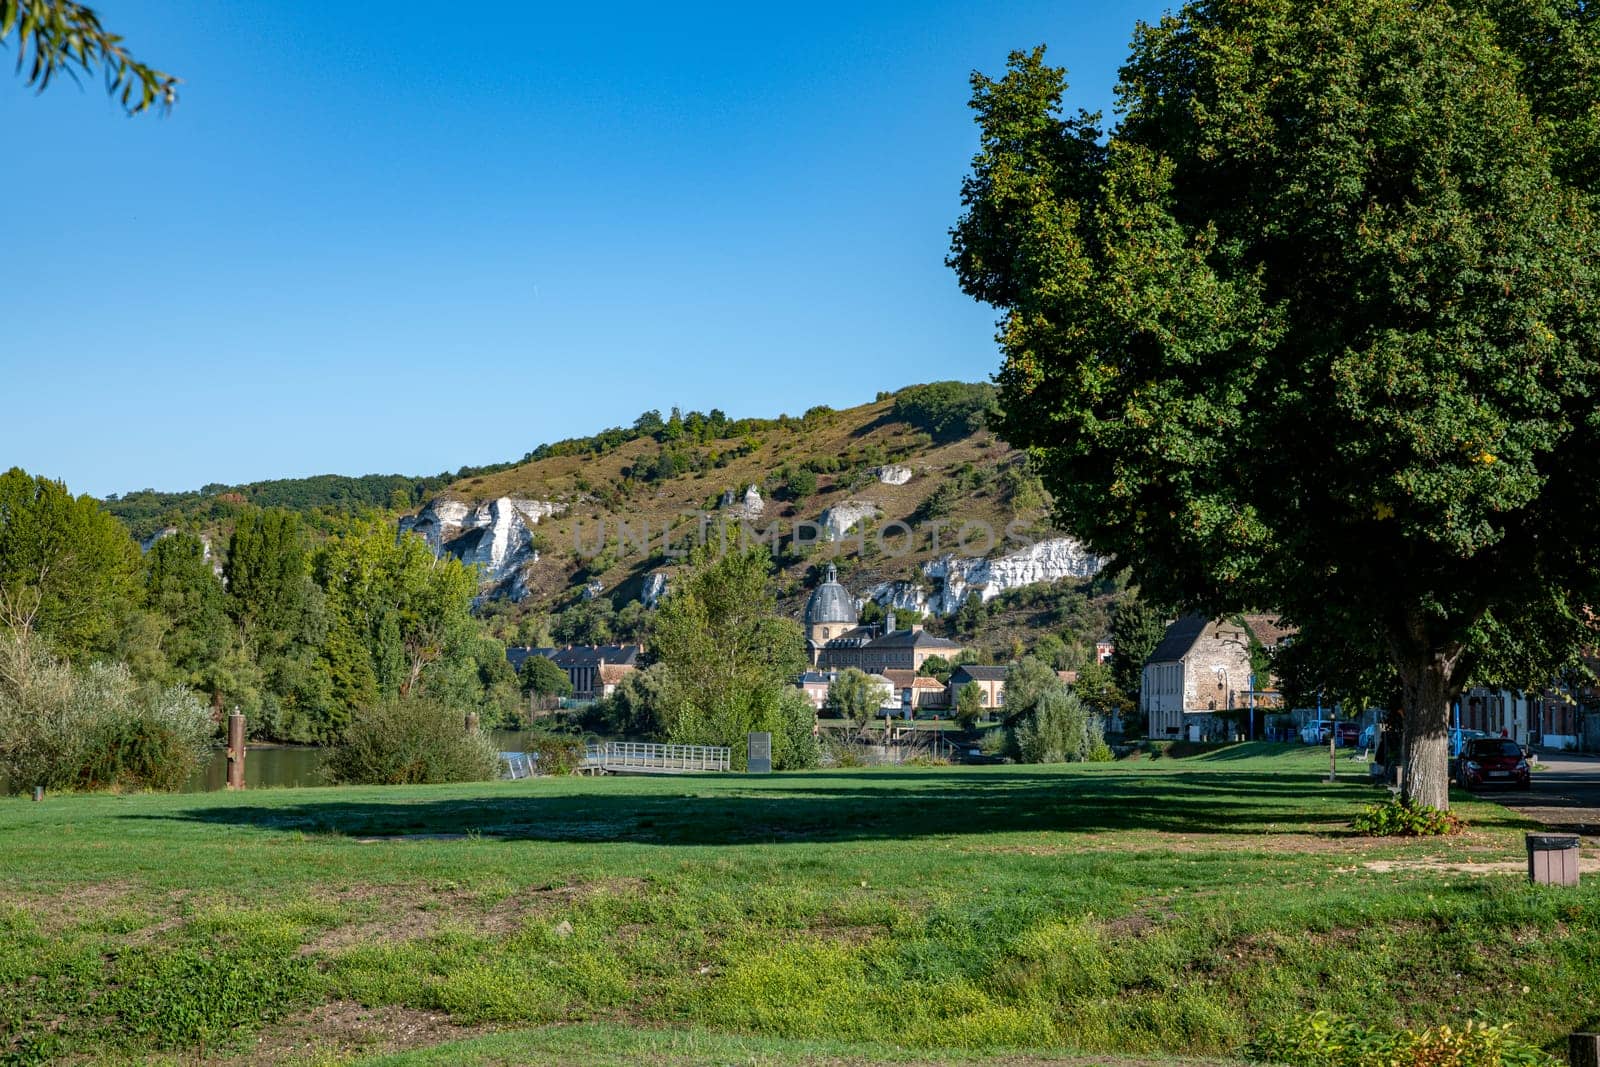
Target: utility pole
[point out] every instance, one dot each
(1333, 734)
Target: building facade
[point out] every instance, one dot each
(1202, 667)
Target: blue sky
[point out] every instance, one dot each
(388, 237)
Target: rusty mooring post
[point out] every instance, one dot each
(235, 750)
(472, 722)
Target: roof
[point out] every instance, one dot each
(1178, 640)
(830, 602)
(516, 656)
(914, 639)
(596, 655)
(854, 637)
(1269, 629)
(977, 672)
(579, 655)
(611, 673)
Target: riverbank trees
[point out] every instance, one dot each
(294, 632)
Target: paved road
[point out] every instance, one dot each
(1565, 796)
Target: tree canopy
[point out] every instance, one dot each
(1314, 325)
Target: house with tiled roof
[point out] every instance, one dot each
(990, 680)
(1201, 670)
(918, 691)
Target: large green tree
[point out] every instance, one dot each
(187, 595)
(1136, 630)
(1314, 325)
(726, 653)
(68, 570)
(280, 615)
(399, 620)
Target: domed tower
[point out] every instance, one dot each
(830, 612)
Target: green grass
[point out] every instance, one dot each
(1148, 907)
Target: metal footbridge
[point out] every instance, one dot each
(634, 757)
(631, 757)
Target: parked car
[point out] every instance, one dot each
(1493, 761)
(1316, 732)
(1459, 738)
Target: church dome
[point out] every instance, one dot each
(831, 602)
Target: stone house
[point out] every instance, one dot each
(1202, 667)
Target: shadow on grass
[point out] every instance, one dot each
(826, 806)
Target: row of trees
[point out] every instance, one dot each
(293, 631)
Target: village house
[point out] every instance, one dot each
(836, 638)
(1544, 719)
(593, 670)
(816, 684)
(917, 691)
(1201, 668)
(991, 683)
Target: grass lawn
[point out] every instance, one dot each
(1144, 909)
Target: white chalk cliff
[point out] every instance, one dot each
(893, 474)
(948, 581)
(749, 506)
(497, 536)
(842, 518)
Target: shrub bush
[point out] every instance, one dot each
(1060, 729)
(1321, 1040)
(93, 728)
(554, 753)
(410, 741)
(1400, 818)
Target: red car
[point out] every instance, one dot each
(1493, 761)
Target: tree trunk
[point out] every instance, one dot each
(1430, 686)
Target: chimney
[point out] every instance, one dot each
(916, 627)
(888, 621)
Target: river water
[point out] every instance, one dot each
(275, 766)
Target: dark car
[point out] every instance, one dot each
(1348, 733)
(1493, 761)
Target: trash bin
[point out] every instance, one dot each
(1553, 859)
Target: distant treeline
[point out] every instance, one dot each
(943, 409)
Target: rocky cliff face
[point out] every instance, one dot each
(655, 587)
(948, 581)
(496, 536)
(205, 547)
(748, 506)
(840, 519)
(894, 474)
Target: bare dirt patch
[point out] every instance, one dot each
(1436, 864)
(344, 1027)
(407, 913)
